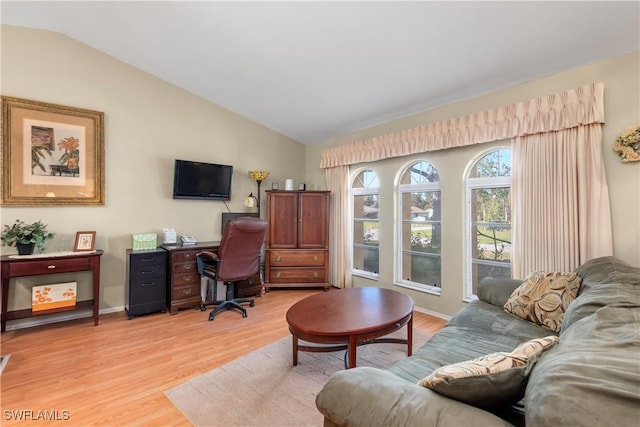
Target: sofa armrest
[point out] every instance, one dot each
(374, 397)
(496, 291)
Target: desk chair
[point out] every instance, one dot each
(238, 258)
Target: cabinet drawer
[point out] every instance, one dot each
(141, 271)
(184, 268)
(185, 292)
(149, 289)
(293, 275)
(148, 258)
(186, 279)
(184, 256)
(297, 258)
(35, 268)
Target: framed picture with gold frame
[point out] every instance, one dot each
(51, 154)
(85, 241)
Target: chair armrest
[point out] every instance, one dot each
(206, 255)
(368, 396)
(206, 260)
(497, 291)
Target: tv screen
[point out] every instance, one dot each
(202, 181)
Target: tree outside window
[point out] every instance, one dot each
(489, 201)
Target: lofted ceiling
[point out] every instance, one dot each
(314, 70)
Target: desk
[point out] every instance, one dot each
(13, 267)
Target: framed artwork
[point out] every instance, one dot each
(85, 241)
(51, 154)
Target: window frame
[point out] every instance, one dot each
(399, 252)
(471, 184)
(363, 191)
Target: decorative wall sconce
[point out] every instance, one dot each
(258, 176)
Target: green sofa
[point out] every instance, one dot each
(591, 377)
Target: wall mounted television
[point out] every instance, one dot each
(201, 181)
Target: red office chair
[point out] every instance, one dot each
(238, 258)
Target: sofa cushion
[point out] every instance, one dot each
(490, 380)
(592, 377)
(543, 298)
(606, 281)
(481, 328)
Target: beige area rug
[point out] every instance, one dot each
(264, 389)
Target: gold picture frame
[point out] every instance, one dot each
(85, 241)
(52, 155)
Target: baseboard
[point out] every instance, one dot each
(432, 313)
(30, 322)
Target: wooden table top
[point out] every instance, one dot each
(349, 311)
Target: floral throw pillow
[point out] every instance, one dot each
(543, 298)
(490, 380)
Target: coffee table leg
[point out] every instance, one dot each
(295, 350)
(351, 350)
(410, 336)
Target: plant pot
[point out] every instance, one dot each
(25, 248)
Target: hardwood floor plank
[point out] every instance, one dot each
(115, 374)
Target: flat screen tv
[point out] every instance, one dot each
(201, 181)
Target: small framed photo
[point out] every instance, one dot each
(302, 187)
(85, 241)
(274, 186)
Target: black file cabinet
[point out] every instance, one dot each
(146, 281)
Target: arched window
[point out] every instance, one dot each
(488, 197)
(419, 230)
(366, 223)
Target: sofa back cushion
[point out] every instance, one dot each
(606, 281)
(543, 298)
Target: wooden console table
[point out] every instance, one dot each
(21, 266)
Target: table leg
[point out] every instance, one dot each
(410, 336)
(95, 266)
(294, 339)
(5, 301)
(351, 350)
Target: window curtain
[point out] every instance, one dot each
(560, 200)
(565, 110)
(340, 226)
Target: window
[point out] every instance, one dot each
(419, 228)
(488, 194)
(366, 223)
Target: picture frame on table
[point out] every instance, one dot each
(52, 154)
(85, 241)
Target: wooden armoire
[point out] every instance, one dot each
(297, 242)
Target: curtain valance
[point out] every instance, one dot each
(563, 110)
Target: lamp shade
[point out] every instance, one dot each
(258, 176)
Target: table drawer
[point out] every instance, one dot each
(184, 268)
(186, 279)
(297, 258)
(184, 256)
(178, 294)
(297, 275)
(35, 268)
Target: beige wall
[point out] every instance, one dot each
(148, 123)
(621, 78)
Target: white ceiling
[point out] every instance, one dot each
(314, 70)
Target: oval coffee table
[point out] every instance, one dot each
(343, 319)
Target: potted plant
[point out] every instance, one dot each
(26, 236)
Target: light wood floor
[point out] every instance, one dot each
(115, 374)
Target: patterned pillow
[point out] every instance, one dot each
(490, 380)
(543, 298)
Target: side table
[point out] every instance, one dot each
(36, 265)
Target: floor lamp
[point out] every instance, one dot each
(258, 176)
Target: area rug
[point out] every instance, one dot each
(264, 389)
